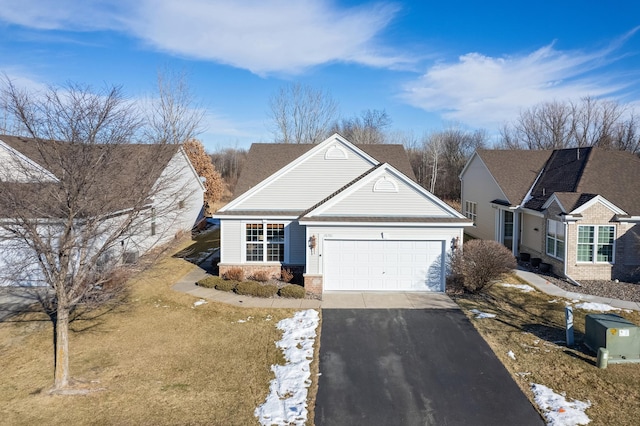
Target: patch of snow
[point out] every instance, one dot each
(553, 301)
(511, 355)
(592, 306)
(249, 318)
(523, 287)
(557, 410)
(198, 303)
(480, 314)
(286, 403)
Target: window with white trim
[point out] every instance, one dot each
(595, 243)
(470, 210)
(264, 242)
(555, 239)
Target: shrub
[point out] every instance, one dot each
(286, 275)
(253, 288)
(210, 282)
(480, 264)
(293, 291)
(261, 276)
(267, 290)
(226, 285)
(234, 274)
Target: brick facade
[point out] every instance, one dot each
(313, 284)
(626, 265)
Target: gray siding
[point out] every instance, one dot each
(230, 241)
(307, 183)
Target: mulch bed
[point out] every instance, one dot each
(601, 288)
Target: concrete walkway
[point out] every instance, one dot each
(545, 286)
(374, 300)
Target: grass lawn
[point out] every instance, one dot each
(533, 328)
(156, 359)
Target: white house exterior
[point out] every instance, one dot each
(347, 218)
(175, 200)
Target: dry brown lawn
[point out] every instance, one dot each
(154, 360)
(533, 328)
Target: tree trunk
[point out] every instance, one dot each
(61, 368)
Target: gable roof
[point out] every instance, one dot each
(265, 159)
(576, 174)
(116, 184)
(323, 211)
(515, 171)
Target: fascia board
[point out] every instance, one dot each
(311, 222)
(28, 160)
(386, 168)
(598, 199)
(295, 163)
(551, 200)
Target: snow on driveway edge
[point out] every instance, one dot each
(286, 403)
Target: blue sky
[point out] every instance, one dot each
(427, 63)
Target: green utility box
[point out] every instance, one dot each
(618, 335)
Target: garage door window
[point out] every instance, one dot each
(264, 242)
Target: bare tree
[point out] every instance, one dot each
(588, 122)
(173, 115)
(301, 114)
(368, 128)
(76, 197)
(229, 162)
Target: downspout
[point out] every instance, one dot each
(566, 249)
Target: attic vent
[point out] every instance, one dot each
(335, 152)
(385, 185)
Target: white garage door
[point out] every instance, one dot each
(383, 265)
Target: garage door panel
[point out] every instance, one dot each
(383, 265)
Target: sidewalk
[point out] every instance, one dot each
(331, 300)
(371, 300)
(545, 286)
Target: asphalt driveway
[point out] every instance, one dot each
(412, 367)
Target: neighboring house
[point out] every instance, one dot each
(350, 217)
(168, 195)
(576, 209)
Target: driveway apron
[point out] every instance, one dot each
(412, 367)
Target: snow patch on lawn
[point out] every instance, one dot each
(557, 410)
(480, 314)
(286, 403)
(199, 302)
(523, 287)
(592, 306)
(511, 355)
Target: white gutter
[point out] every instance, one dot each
(564, 262)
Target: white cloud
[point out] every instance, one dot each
(486, 91)
(263, 36)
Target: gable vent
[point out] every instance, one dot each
(336, 152)
(385, 185)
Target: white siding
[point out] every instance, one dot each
(314, 261)
(307, 183)
(407, 201)
(479, 186)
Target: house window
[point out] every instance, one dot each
(595, 243)
(470, 210)
(264, 242)
(555, 239)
